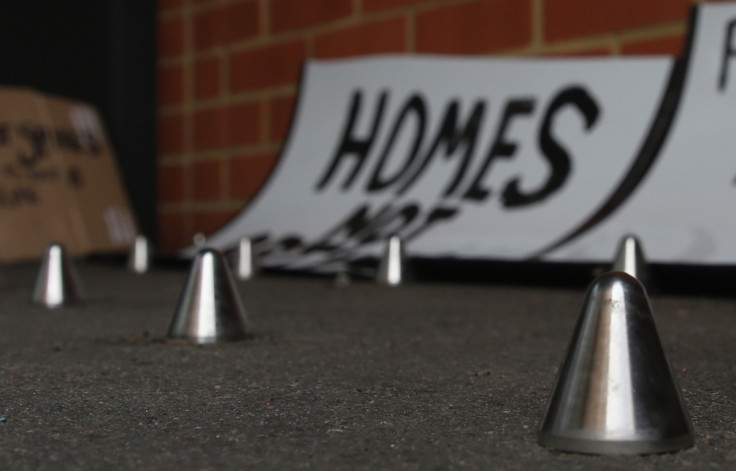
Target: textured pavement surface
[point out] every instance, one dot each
(431, 375)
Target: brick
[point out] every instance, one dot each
(207, 180)
(245, 119)
(290, 15)
(171, 183)
(592, 52)
(269, 66)
(373, 38)
(171, 85)
(223, 25)
(211, 129)
(669, 46)
(565, 19)
(208, 222)
(372, 6)
(248, 174)
(174, 231)
(281, 113)
(227, 126)
(170, 37)
(243, 20)
(207, 78)
(476, 27)
(171, 134)
(164, 5)
(207, 34)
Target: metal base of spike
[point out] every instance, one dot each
(592, 445)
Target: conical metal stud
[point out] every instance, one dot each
(199, 240)
(210, 309)
(57, 283)
(246, 265)
(341, 280)
(139, 260)
(615, 392)
(392, 269)
(630, 259)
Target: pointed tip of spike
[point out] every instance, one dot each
(210, 309)
(57, 283)
(615, 393)
(392, 270)
(629, 258)
(139, 260)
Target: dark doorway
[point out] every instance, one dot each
(102, 52)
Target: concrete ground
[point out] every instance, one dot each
(430, 375)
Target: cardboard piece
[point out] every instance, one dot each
(58, 179)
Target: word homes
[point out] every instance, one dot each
(390, 167)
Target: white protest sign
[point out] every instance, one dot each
(681, 212)
(502, 159)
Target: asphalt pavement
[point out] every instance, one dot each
(429, 375)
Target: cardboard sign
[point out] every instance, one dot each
(514, 159)
(58, 179)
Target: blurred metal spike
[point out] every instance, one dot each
(392, 269)
(139, 260)
(630, 259)
(57, 283)
(210, 309)
(199, 240)
(341, 280)
(246, 265)
(615, 392)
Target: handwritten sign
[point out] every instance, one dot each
(509, 159)
(58, 179)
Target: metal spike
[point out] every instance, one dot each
(630, 259)
(139, 260)
(341, 280)
(392, 269)
(210, 309)
(615, 392)
(57, 283)
(246, 265)
(199, 240)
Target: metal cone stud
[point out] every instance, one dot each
(615, 392)
(57, 283)
(199, 240)
(392, 269)
(630, 259)
(246, 266)
(210, 309)
(341, 280)
(139, 260)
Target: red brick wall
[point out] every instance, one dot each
(228, 72)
